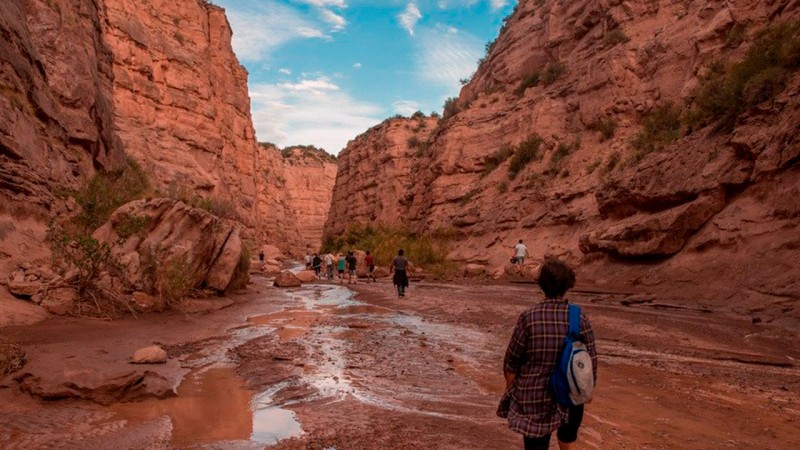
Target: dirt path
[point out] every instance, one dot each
(321, 367)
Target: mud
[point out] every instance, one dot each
(325, 367)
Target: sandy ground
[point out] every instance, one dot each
(326, 367)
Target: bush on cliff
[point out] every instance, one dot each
(729, 89)
(107, 191)
(661, 127)
(527, 151)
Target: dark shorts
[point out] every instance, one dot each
(371, 269)
(567, 432)
(341, 271)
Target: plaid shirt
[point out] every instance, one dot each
(532, 354)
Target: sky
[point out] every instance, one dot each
(324, 71)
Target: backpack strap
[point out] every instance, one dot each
(575, 321)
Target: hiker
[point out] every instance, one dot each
(532, 354)
(261, 256)
(400, 266)
(351, 266)
(370, 260)
(309, 260)
(521, 251)
(341, 262)
(328, 261)
(316, 262)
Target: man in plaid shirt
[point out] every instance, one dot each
(532, 353)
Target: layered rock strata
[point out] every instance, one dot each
(710, 218)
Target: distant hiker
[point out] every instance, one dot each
(400, 266)
(261, 256)
(370, 260)
(316, 262)
(309, 260)
(341, 263)
(328, 261)
(533, 352)
(351, 266)
(521, 252)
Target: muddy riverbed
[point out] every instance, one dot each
(327, 367)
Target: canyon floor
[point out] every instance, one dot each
(327, 366)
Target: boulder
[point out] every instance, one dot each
(270, 268)
(272, 252)
(474, 270)
(103, 386)
(14, 311)
(148, 303)
(153, 354)
(287, 279)
(177, 240)
(306, 276)
(381, 272)
(60, 301)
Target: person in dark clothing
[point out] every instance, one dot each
(351, 268)
(261, 256)
(533, 351)
(400, 266)
(316, 262)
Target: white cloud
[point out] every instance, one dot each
(406, 107)
(357, 65)
(334, 19)
(409, 18)
(285, 71)
(310, 111)
(259, 29)
(497, 4)
(444, 55)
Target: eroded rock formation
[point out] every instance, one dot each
(712, 217)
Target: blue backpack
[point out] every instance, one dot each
(572, 380)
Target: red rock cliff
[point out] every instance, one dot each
(712, 217)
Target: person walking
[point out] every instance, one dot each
(328, 261)
(400, 266)
(309, 259)
(316, 262)
(520, 253)
(531, 356)
(340, 266)
(370, 261)
(351, 268)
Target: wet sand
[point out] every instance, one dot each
(323, 367)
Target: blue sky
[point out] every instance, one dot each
(323, 71)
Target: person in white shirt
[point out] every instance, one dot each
(521, 253)
(309, 259)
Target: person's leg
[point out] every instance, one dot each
(568, 431)
(538, 443)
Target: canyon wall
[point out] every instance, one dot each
(85, 84)
(711, 218)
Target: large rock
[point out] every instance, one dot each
(287, 279)
(306, 276)
(149, 355)
(18, 312)
(178, 242)
(60, 301)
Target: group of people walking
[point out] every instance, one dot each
(535, 350)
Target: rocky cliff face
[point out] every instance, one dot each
(85, 83)
(711, 217)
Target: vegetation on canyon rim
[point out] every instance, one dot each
(12, 357)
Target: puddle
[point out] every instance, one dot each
(213, 406)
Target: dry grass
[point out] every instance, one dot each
(12, 357)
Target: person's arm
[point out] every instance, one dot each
(517, 351)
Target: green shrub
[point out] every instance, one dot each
(384, 242)
(526, 152)
(132, 225)
(736, 36)
(176, 282)
(467, 198)
(12, 357)
(606, 126)
(730, 89)
(106, 191)
(495, 159)
(502, 187)
(529, 81)
(661, 127)
(615, 36)
(413, 142)
(80, 251)
(418, 115)
(218, 207)
(562, 151)
(611, 163)
(593, 166)
(451, 108)
(553, 72)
